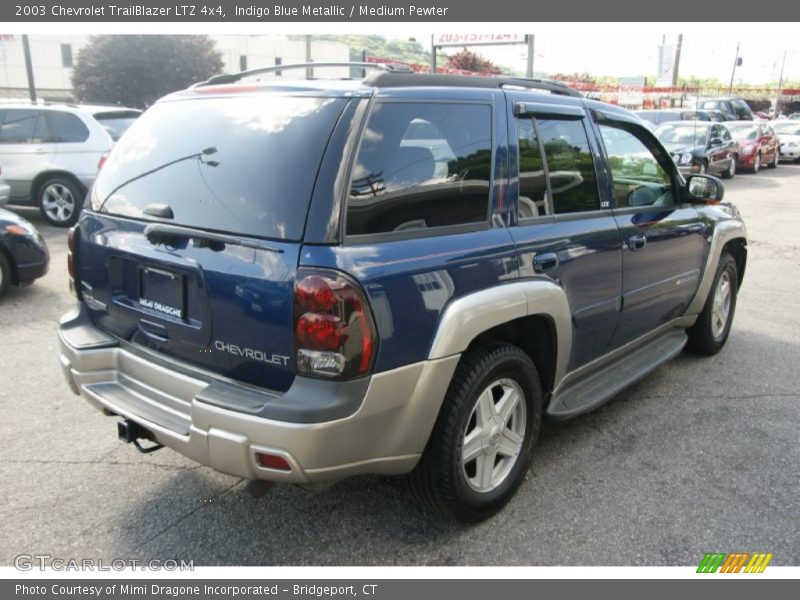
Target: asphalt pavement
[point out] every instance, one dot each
(702, 456)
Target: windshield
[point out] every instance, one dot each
(243, 165)
(787, 128)
(116, 122)
(743, 132)
(687, 135)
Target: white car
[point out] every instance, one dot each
(50, 153)
(789, 133)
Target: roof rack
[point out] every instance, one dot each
(233, 77)
(406, 79)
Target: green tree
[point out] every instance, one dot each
(136, 70)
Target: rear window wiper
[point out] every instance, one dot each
(197, 155)
(164, 232)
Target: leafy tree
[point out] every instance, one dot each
(471, 61)
(136, 70)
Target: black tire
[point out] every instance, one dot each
(705, 336)
(756, 163)
(703, 170)
(441, 482)
(775, 161)
(60, 200)
(730, 172)
(5, 275)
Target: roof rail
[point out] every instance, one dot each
(406, 79)
(233, 77)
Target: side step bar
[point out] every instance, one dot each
(600, 386)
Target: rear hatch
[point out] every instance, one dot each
(191, 243)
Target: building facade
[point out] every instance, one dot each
(53, 58)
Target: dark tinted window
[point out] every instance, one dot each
(240, 164)
(66, 127)
(741, 109)
(421, 165)
(116, 122)
(571, 166)
(21, 126)
(533, 201)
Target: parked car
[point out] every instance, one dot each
(700, 147)
(758, 145)
(5, 189)
(50, 153)
(734, 109)
(298, 291)
(657, 117)
(789, 133)
(23, 252)
(713, 115)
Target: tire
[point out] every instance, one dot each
(60, 200)
(775, 161)
(710, 332)
(5, 275)
(703, 170)
(474, 489)
(757, 163)
(730, 172)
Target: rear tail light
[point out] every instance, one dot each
(102, 161)
(71, 256)
(333, 326)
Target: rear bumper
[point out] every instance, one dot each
(385, 434)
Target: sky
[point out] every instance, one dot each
(625, 51)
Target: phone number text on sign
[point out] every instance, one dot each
(470, 39)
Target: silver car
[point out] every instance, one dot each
(50, 153)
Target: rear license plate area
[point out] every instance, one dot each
(162, 292)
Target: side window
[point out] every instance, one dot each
(741, 109)
(20, 126)
(421, 165)
(639, 177)
(726, 136)
(66, 127)
(533, 200)
(570, 164)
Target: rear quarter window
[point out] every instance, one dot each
(66, 127)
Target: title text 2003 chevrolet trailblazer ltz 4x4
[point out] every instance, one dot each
(300, 281)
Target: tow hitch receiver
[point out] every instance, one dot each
(131, 432)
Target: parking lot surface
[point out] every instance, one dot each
(702, 456)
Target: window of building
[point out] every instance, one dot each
(420, 166)
(66, 55)
(243, 62)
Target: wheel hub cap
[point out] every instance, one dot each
(494, 435)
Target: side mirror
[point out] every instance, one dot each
(704, 188)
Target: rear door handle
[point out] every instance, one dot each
(544, 263)
(637, 242)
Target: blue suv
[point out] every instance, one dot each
(299, 281)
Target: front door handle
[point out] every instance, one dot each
(544, 263)
(637, 242)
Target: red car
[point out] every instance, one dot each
(758, 144)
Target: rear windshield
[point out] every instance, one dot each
(243, 165)
(116, 122)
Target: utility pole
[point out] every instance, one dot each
(736, 63)
(780, 83)
(26, 47)
(531, 39)
(433, 55)
(677, 61)
(309, 70)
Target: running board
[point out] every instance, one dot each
(600, 386)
